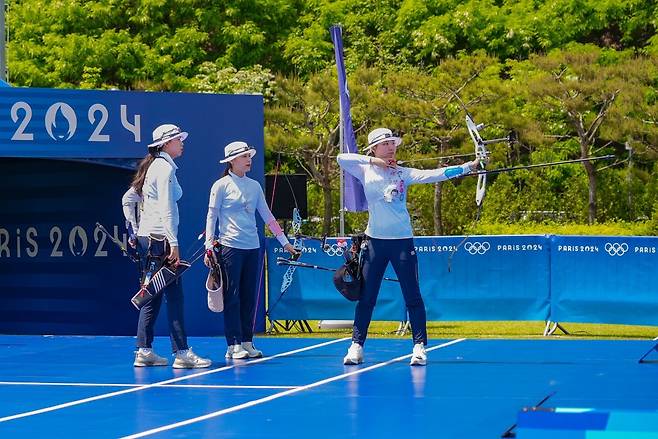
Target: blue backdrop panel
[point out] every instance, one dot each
(57, 274)
(491, 278)
(602, 279)
(59, 123)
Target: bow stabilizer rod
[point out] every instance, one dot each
(543, 165)
(292, 263)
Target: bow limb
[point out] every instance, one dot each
(481, 153)
(287, 278)
(296, 222)
(297, 244)
(481, 189)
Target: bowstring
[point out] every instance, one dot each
(262, 266)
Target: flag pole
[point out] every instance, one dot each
(341, 142)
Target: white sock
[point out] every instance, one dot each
(145, 351)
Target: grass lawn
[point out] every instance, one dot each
(512, 329)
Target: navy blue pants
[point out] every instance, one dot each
(149, 312)
(241, 270)
(402, 255)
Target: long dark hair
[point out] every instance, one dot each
(140, 175)
(228, 168)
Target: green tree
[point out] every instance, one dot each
(152, 44)
(302, 122)
(575, 85)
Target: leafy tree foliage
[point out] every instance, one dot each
(150, 44)
(569, 78)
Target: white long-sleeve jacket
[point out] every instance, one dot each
(386, 192)
(161, 192)
(234, 202)
(131, 202)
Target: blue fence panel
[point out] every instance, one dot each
(490, 278)
(600, 279)
(312, 294)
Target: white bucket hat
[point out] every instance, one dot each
(379, 135)
(166, 132)
(236, 149)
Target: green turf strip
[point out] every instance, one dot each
(511, 329)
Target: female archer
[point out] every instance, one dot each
(234, 200)
(155, 187)
(389, 234)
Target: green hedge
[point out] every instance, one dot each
(616, 228)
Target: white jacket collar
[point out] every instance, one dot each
(232, 174)
(168, 158)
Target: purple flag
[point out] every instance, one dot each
(353, 197)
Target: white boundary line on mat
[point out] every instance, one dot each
(281, 394)
(164, 383)
(183, 386)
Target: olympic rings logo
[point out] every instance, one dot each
(334, 250)
(477, 248)
(616, 249)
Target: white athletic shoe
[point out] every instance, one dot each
(354, 354)
(146, 357)
(251, 349)
(236, 352)
(186, 359)
(418, 356)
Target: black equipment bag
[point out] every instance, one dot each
(160, 280)
(156, 257)
(347, 283)
(348, 279)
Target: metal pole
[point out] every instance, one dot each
(3, 49)
(341, 212)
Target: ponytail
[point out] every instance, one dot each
(140, 175)
(228, 168)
